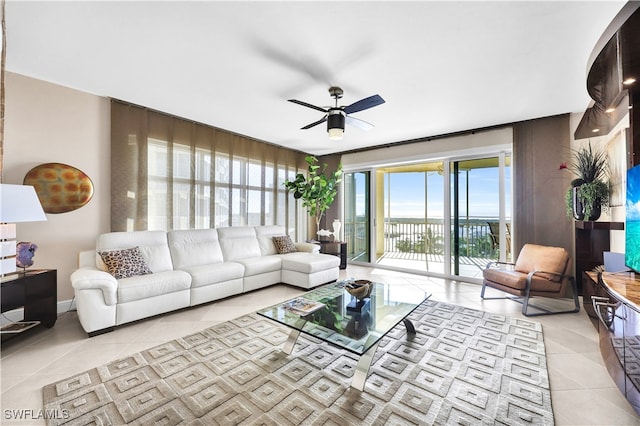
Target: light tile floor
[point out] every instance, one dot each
(581, 389)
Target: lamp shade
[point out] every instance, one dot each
(19, 203)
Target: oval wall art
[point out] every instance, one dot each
(61, 188)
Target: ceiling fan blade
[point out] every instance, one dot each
(308, 126)
(360, 124)
(363, 104)
(295, 101)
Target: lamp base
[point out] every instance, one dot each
(7, 248)
(8, 265)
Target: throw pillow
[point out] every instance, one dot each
(125, 263)
(284, 244)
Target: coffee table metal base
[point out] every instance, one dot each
(291, 342)
(364, 363)
(362, 368)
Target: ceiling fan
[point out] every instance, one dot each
(336, 116)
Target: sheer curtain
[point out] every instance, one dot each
(170, 173)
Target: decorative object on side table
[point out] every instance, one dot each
(336, 229)
(590, 191)
(24, 254)
(324, 234)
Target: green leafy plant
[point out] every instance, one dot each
(317, 190)
(593, 189)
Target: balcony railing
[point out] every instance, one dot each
(411, 239)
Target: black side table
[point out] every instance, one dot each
(336, 248)
(36, 291)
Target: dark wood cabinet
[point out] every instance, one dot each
(592, 239)
(336, 248)
(590, 289)
(34, 291)
(616, 308)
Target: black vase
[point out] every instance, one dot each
(578, 207)
(579, 210)
(596, 210)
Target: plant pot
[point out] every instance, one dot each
(577, 206)
(596, 211)
(579, 210)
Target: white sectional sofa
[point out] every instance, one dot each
(189, 267)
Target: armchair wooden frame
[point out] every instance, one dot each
(523, 296)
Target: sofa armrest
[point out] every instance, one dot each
(308, 247)
(87, 259)
(93, 278)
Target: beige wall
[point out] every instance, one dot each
(48, 123)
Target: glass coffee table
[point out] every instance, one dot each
(331, 314)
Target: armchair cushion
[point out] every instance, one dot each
(534, 257)
(507, 279)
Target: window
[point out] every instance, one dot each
(169, 173)
(244, 197)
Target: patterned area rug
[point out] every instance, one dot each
(463, 366)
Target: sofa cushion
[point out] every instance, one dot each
(265, 236)
(309, 263)
(153, 246)
(284, 244)
(145, 286)
(512, 279)
(238, 242)
(203, 275)
(534, 257)
(194, 247)
(125, 263)
(260, 265)
(518, 280)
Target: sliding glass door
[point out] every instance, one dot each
(446, 218)
(356, 215)
(480, 214)
(410, 201)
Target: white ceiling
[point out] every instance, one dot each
(442, 67)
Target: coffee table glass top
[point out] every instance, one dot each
(346, 321)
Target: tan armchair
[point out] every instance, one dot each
(539, 271)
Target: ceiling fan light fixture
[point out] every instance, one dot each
(337, 116)
(335, 134)
(335, 124)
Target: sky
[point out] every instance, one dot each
(407, 194)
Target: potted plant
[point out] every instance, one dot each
(589, 194)
(317, 190)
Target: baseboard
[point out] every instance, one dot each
(18, 314)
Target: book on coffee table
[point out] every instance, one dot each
(302, 306)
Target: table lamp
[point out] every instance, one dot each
(18, 203)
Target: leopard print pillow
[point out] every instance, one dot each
(284, 244)
(125, 263)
